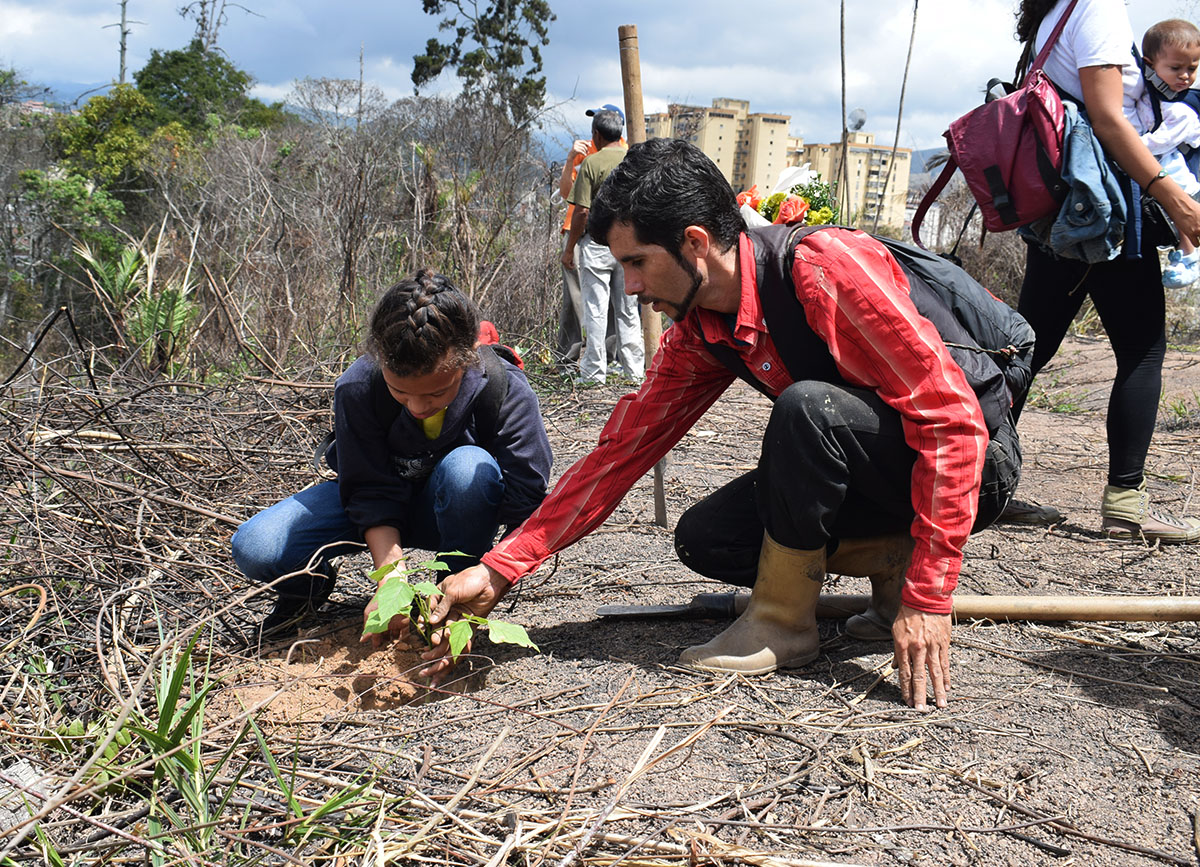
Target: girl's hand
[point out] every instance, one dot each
(399, 627)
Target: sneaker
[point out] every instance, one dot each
(1181, 270)
(1033, 514)
(290, 611)
(1126, 514)
(587, 382)
(1158, 527)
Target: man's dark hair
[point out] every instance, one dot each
(422, 325)
(661, 187)
(607, 125)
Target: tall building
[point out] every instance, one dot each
(867, 173)
(748, 148)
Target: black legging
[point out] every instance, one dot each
(1128, 296)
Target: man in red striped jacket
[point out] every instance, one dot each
(871, 460)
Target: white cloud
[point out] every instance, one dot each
(783, 56)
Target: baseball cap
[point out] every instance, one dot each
(608, 106)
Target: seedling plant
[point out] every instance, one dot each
(416, 601)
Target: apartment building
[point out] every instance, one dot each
(867, 166)
(754, 147)
(748, 147)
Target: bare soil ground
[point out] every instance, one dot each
(1064, 743)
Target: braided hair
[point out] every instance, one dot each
(424, 324)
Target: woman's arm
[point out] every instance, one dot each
(1102, 95)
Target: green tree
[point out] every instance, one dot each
(488, 49)
(188, 85)
(106, 141)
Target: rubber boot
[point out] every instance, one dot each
(1126, 514)
(778, 629)
(883, 559)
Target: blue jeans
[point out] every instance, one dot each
(456, 510)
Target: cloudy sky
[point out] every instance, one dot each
(782, 56)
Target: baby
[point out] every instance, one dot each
(1171, 54)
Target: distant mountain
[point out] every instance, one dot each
(920, 159)
(70, 94)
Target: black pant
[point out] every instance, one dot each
(1129, 298)
(834, 465)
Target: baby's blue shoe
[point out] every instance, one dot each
(1181, 270)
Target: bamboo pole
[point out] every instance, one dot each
(635, 133)
(1157, 609)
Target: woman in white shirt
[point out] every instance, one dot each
(1093, 62)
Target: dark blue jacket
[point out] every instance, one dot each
(381, 467)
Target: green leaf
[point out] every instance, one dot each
(395, 596)
(384, 571)
(435, 566)
(459, 633)
(341, 799)
(502, 632)
(427, 588)
(48, 851)
(282, 783)
(168, 700)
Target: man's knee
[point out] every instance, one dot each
(691, 539)
(804, 412)
(719, 537)
(809, 397)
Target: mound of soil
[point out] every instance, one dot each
(319, 677)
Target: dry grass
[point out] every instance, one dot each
(123, 620)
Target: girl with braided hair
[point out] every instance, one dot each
(438, 442)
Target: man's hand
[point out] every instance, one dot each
(922, 641)
(477, 591)
(568, 257)
(579, 146)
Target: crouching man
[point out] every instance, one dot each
(871, 461)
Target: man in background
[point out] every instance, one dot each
(570, 314)
(601, 278)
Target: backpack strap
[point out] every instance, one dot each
(486, 409)
(488, 404)
(1044, 54)
(930, 197)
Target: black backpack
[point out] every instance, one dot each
(991, 342)
(486, 407)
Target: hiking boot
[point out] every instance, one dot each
(778, 629)
(1031, 514)
(291, 610)
(883, 559)
(1126, 514)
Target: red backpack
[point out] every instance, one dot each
(1009, 150)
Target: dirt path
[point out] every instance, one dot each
(1064, 743)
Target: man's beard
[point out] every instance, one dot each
(682, 308)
